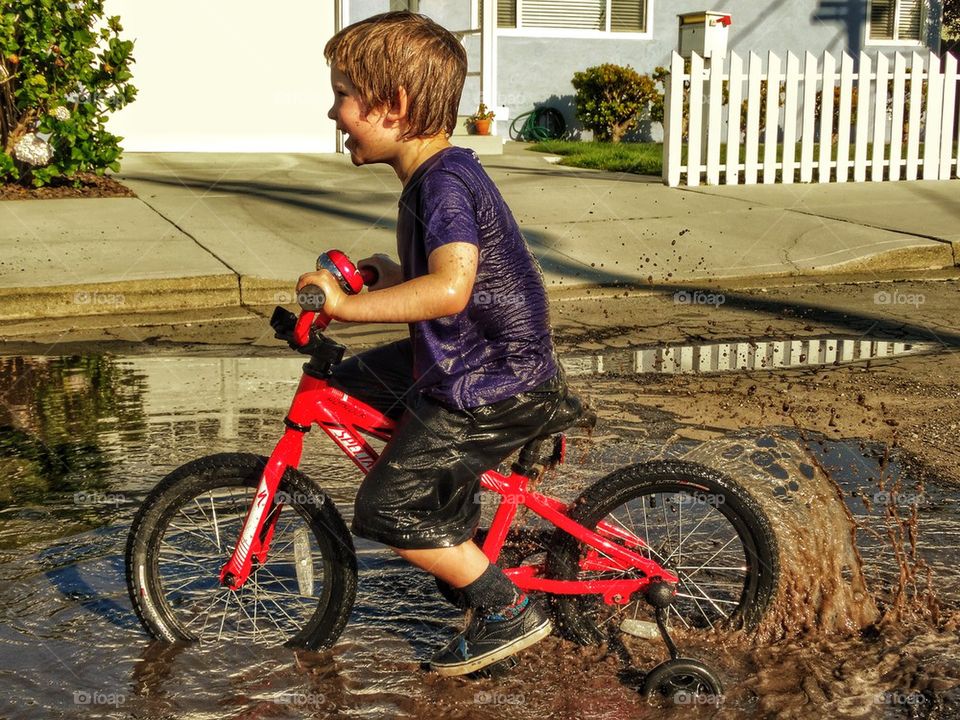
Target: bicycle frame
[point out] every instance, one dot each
(346, 419)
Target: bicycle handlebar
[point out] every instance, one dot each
(311, 298)
(369, 274)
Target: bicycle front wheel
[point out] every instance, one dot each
(694, 521)
(185, 532)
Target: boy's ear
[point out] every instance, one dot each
(399, 107)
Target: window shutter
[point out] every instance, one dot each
(576, 14)
(881, 19)
(910, 17)
(506, 12)
(628, 16)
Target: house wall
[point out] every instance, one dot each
(226, 76)
(536, 71)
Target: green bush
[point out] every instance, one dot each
(610, 99)
(63, 69)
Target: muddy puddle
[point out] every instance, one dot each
(868, 536)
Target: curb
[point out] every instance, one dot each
(130, 296)
(219, 291)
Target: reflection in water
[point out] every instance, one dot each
(70, 645)
(756, 354)
(56, 418)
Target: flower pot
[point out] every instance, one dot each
(481, 127)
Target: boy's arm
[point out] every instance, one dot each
(444, 290)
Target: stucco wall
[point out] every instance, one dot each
(535, 71)
(219, 76)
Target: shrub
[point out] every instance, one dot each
(63, 69)
(610, 99)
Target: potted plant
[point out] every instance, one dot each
(480, 120)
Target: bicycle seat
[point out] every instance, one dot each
(570, 411)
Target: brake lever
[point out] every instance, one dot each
(283, 322)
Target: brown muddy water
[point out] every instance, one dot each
(864, 625)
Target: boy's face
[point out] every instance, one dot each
(367, 139)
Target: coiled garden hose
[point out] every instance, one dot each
(543, 123)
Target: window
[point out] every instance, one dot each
(896, 20)
(578, 16)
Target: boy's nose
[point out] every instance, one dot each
(331, 114)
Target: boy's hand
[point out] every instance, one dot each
(331, 289)
(389, 272)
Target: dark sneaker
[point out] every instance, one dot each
(489, 639)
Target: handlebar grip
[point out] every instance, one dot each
(369, 274)
(311, 298)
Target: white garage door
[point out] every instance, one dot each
(227, 76)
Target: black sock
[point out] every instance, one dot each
(491, 591)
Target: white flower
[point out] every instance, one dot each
(32, 150)
(60, 113)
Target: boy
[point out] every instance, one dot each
(478, 376)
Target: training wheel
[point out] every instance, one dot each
(683, 680)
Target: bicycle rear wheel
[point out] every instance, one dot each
(185, 531)
(695, 521)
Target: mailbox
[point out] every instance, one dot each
(704, 33)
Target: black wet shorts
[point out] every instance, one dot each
(423, 491)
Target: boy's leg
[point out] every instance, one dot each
(421, 499)
(457, 566)
(486, 588)
(382, 377)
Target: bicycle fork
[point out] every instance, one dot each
(258, 527)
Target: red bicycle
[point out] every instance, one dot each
(212, 555)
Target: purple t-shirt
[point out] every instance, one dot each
(500, 344)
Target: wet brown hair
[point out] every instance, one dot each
(402, 49)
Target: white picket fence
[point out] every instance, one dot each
(868, 132)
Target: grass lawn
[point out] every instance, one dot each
(640, 158)
(647, 158)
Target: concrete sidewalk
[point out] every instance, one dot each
(223, 230)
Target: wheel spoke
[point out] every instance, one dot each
(192, 548)
(712, 600)
(706, 547)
